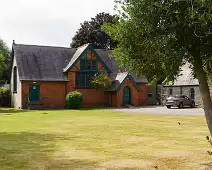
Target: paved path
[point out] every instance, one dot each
(162, 110)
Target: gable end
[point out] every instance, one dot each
(89, 47)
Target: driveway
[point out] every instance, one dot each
(162, 110)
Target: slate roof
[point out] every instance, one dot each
(77, 54)
(186, 78)
(117, 78)
(47, 63)
(115, 67)
(42, 63)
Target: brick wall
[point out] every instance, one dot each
(137, 98)
(113, 99)
(52, 94)
(92, 97)
(142, 95)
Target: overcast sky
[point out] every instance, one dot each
(47, 22)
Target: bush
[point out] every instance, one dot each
(4, 92)
(74, 100)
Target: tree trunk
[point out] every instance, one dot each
(204, 90)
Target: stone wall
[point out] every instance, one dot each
(153, 94)
(184, 90)
(16, 101)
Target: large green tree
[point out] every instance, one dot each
(91, 32)
(156, 37)
(4, 62)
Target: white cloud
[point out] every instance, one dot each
(47, 22)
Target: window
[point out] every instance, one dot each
(170, 92)
(88, 69)
(83, 65)
(89, 65)
(192, 93)
(84, 80)
(15, 79)
(150, 95)
(181, 90)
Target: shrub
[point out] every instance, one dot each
(4, 92)
(74, 100)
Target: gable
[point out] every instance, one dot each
(129, 77)
(86, 52)
(120, 79)
(185, 78)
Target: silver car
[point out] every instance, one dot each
(179, 101)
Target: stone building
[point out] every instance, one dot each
(185, 84)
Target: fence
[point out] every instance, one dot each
(5, 101)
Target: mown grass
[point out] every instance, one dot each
(100, 139)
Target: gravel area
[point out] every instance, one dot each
(162, 110)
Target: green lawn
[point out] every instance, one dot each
(100, 139)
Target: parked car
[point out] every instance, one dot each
(180, 101)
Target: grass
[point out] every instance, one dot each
(100, 139)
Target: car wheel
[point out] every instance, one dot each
(168, 107)
(180, 105)
(192, 104)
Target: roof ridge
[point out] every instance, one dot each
(51, 46)
(125, 72)
(87, 44)
(44, 46)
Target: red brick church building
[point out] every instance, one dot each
(42, 76)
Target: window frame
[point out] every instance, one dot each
(192, 93)
(86, 70)
(170, 92)
(150, 95)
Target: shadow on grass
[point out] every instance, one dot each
(207, 166)
(185, 107)
(12, 110)
(35, 151)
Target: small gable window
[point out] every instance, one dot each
(15, 83)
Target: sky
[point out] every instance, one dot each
(47, 22)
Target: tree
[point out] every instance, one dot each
(102, 83)
(2, 66)
(91, 32)
(157, 37)
(4, 62)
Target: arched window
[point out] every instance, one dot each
(15, 79)
(192, 93)
(170, 92)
